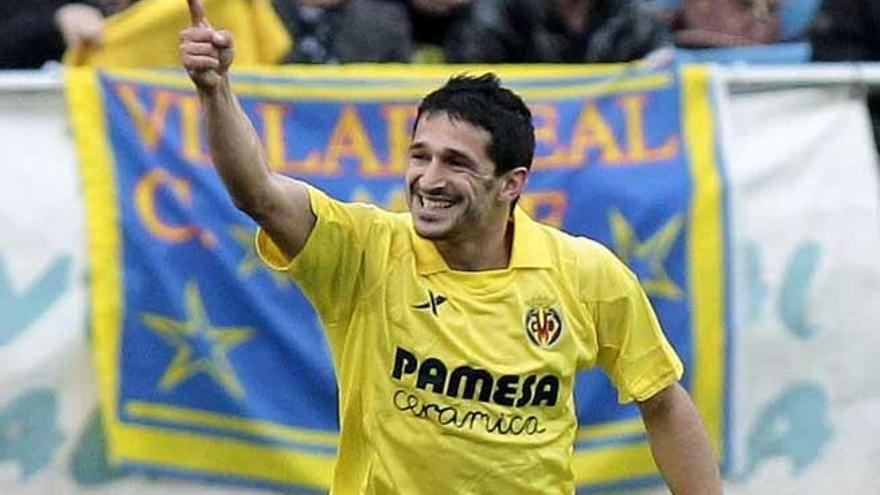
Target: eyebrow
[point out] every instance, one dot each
(460, 155)
(418, 145)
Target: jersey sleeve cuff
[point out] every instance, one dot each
(269, 252)
(668, 370)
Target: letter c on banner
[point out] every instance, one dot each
(145, 200)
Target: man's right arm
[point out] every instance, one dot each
(280, 205)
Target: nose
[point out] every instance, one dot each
(433, 176)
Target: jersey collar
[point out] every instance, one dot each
(528, 250)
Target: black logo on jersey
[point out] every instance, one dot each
(472, 385)
(475, 383)
(434, 301)
(543, 325)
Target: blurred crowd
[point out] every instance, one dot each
(33, 32)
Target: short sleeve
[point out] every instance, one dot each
(331, 266)
(632, 348)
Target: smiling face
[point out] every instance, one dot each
(453, 192)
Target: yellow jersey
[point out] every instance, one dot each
(456, 382)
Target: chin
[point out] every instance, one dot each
(431, 232)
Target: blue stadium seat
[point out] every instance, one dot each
(795, 17)
(663, 4)
(778, 53)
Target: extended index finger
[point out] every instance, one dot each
(197, 13)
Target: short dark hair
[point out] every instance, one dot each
(481, 101)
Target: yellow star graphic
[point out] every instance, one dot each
(251, 262)
(646, 258)
(190, 337)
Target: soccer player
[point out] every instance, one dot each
(457, 329)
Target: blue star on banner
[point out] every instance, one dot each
(646, 258)
(199, 346)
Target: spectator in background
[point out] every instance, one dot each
(142, 33)
(438, 7)
(432, 21)
(724, 23)
(110, 7)
(572, 31)
(846, 30)
(849, 30)
(345, 31)
(33, 32)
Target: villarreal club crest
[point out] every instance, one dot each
(543, 325)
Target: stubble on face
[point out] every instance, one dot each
(467, 220)
(451, 183)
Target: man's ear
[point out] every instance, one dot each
(514, 184)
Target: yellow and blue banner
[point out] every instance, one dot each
(209, 365)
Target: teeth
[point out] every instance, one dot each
(432, 204)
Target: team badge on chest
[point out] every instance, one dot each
(543, 325)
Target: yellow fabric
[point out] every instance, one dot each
(147, 34)
(442, 389)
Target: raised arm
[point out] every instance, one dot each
(279, 204)
(679, 443)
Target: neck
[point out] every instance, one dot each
(490, 251)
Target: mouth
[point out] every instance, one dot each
(434, 204)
